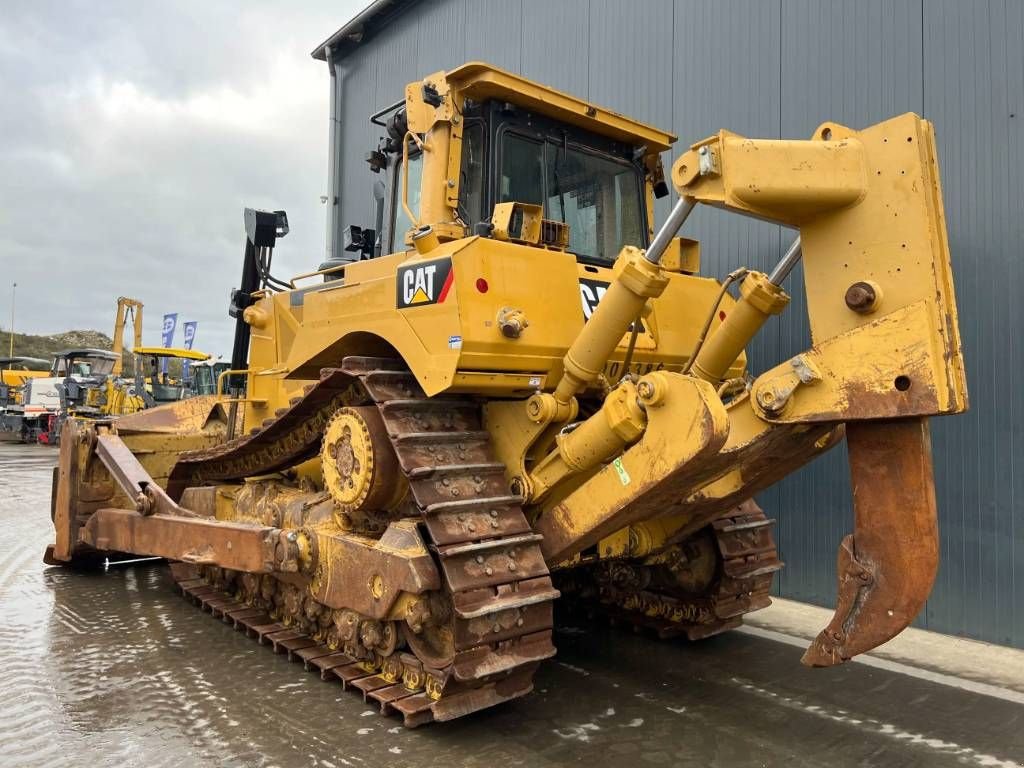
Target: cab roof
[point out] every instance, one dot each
(86, 352)
(480, 81)
(178, 352)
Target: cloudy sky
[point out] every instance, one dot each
(132, 135)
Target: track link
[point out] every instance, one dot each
(390, 689)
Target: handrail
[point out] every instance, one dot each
(328, 271)
(231, 372)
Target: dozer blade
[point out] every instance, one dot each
(887, 566)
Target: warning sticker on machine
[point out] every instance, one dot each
(623, 474)
(419, 285)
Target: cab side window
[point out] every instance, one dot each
(522, 170)
(401, 223)
(471, 180)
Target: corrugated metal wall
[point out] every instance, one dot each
(780, 68)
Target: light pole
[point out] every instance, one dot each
(14, 287)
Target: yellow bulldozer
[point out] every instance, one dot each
(516, 387)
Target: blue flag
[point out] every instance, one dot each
(189, 329)
(167, 335)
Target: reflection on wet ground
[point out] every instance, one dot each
(114, 668)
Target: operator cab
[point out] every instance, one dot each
(205, 377)
(589, 169)
(510, 154)
(80, 371)
(83, 363)
(163, 373)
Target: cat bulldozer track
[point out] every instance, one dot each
(490, 405)
(496, 589)
(702, 596)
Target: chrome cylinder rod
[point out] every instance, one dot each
(668, 230)
(785, 266)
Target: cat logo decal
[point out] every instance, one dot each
(425, 283)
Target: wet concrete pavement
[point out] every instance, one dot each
(115, 668)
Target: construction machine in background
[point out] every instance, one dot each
(81, 385)
(14, 372)
(73, 383)
(156, 386)
(439, 440)
(92, 384)
(84, 386)
(152, 380)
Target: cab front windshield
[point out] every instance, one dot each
(597, 195)
(85, 366)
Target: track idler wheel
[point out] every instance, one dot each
(361, 471)
(887, 566)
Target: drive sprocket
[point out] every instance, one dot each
(360, 469)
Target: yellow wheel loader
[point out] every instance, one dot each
(515, 387)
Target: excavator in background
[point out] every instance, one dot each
(90, 383)
(438, 440)
(79, 382)
(85, 387)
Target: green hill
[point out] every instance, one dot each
(45, 347)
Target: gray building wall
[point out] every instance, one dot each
(778, 68)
